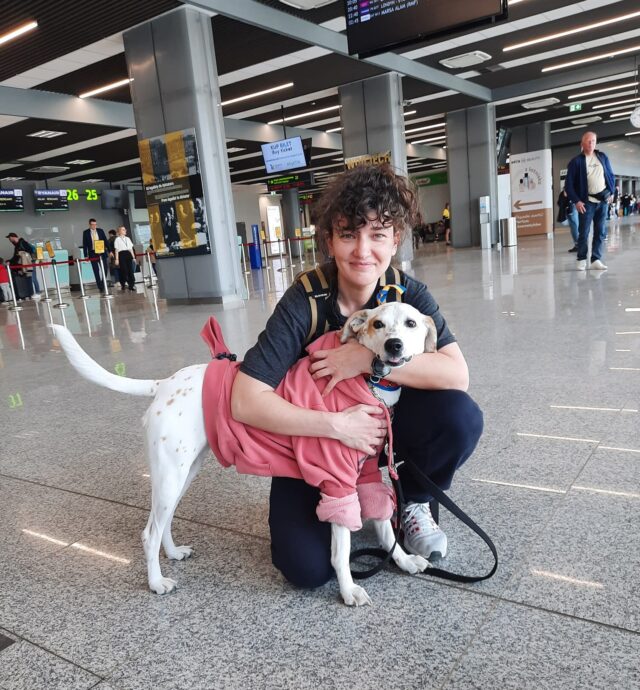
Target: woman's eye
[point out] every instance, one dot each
(378, 324)
(410, 323)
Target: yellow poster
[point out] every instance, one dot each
(298, 232)
(263, 237)
(98, 246)
(278, 232)
(39, 253)
(50, 251)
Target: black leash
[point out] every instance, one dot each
(442, 498)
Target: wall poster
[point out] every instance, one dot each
(531, 192)
(173, 189)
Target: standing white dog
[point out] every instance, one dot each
(176, 440)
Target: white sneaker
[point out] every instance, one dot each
(422, 535)
(598, 265)
(581, 265)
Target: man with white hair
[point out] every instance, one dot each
(589, 184)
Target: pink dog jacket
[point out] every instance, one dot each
(350, 483)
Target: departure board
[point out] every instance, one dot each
(376, 26)
(51, 200)
(11, 200)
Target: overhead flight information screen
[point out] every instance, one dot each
(375, 26)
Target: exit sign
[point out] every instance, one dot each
(575, 107)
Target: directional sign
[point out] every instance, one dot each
(531, 192)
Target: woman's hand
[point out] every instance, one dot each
(344, 362)
(362, 427)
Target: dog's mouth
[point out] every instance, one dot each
(396, 361)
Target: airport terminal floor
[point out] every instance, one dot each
(554, 356)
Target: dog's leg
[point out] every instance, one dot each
(352, 594)
(179, 553)
(409, 563)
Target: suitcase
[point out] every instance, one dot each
(22, 285)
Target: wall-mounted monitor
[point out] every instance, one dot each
(139, 198)
(114, 198)
(376, 26)
(11, 200)
(51, 200)
(286, 154)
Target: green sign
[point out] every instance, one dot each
(431, 179)
(575, 107)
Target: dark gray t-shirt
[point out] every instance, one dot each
(282, 342)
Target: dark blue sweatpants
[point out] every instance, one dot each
(436, 430)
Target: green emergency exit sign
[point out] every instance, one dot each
(575, 107)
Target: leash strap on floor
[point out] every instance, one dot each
(442, 498)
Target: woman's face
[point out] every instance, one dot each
(363, 254)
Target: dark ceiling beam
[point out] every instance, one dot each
(56, 106)
(256, 14)
(560, 80)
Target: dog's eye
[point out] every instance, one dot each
(410, 323)
(378, 324)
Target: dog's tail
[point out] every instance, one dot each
(92, 371)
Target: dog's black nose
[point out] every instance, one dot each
(393, 346)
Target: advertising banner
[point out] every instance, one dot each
(173, 189)
(532, 192)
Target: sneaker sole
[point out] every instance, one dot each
(430, 556)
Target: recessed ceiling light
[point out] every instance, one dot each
(14, 33)
(542, 103)
(609, 88)
(10, 179)
(410, 112)
(49, 169)
(628, 134)
(80, 161)
(108, 87)
(586, 120)
(612, 103)
(569, 32)
(475, 57)
(93, 179)
(335, 129)
(297, 117)
(593, 58)
(235, 149)
(624, 114)
(429, 141)
(46, 134)
(258, 93)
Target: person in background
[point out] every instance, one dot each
(152, 257)
(589, 184)
(124, 251)
(446, 219)
(4, 282)
(28, 253)
(114, 271)
(89, 238)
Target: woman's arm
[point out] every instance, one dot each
(255, 403)
(441, 370)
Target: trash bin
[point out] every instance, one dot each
(485, 235)
(508, 232)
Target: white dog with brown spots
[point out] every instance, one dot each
(176, 442)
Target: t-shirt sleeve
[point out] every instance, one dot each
(280, 344)
(419, 297)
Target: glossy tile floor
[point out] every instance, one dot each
(555, 362)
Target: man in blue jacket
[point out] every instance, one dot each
(589, 184)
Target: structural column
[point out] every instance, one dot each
(372, 119)
(171, 61)
(535, 137)
(291, 217)
(471, 152)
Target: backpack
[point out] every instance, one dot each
(316, 285)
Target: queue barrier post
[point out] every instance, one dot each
(302, 252)
(46, 297)
(244, 260)
(106, 294)
(83, 295)
(150, 271)
(60, 304)
(15, 306)
(313, 249)
(289, 249)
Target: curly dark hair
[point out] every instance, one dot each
(355, 193)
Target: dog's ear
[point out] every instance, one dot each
(355, 322)
(431, 340)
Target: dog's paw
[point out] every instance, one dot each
(180, 553)
(413, 564)
(356, 596)
(163, 586)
